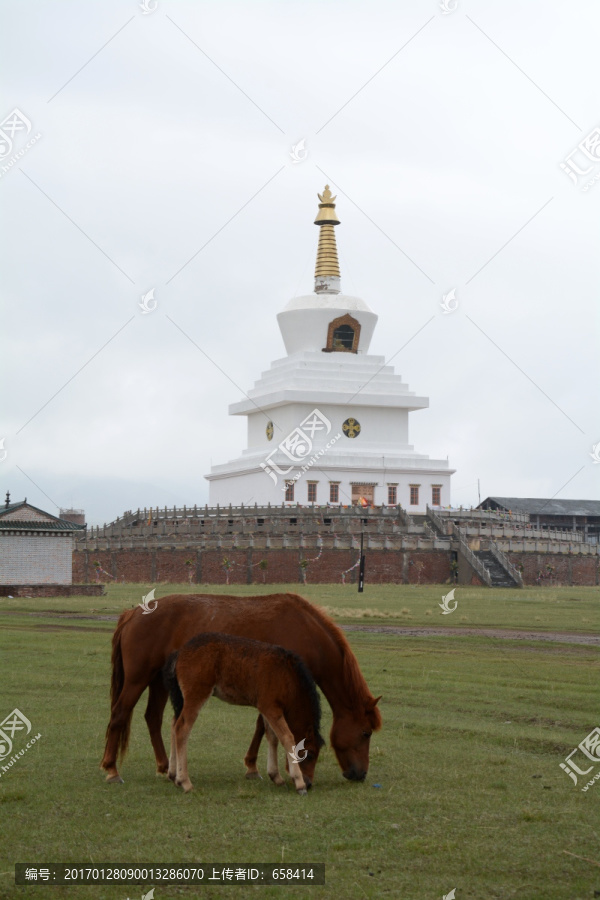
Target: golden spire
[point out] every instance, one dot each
(327, 269)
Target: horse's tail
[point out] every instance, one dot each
(117, 680)
(171, 683)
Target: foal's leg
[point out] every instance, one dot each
(181, 733)
(272, 766)
(173, 756)
(277, 722)
(157, 699)
(252, 754)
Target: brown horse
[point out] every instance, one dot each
(142, 643)
(246, 673)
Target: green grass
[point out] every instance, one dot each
(541, 609)
(471, 793)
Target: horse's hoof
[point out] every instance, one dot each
(187, 787)
(172, 776)
(114, 779)
(254, 775)
(302, 792)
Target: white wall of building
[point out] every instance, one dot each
(36, 559)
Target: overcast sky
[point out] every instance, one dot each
(164, 163)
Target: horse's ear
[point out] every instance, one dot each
(374, 714)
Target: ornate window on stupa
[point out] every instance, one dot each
(343, 335)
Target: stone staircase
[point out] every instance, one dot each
(500, 576)
(439, 531)
(431, 526)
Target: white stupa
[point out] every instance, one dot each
(328, 423)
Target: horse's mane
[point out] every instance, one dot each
(354, 680)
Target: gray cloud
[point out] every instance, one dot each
(446, 153)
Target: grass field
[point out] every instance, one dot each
(541, 609)
(464, 789)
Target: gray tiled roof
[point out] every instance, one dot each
(537, 505)
(29, 525)
(54, 523)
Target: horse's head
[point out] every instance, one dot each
(351, 737)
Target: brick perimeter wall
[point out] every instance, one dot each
(51, 590)
(565, 569)
(382, 567)
(206, 566)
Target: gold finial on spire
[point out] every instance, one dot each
(326, 214)
(327, 269)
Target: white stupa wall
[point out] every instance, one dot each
(257, 487)
(387, 428)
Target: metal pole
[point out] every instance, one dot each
(361, 568)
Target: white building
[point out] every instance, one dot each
(35, 546)
(328, 423)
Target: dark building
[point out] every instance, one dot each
(582, 516)
(77, 516)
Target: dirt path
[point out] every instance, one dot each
(508, 634)
(59, 615)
